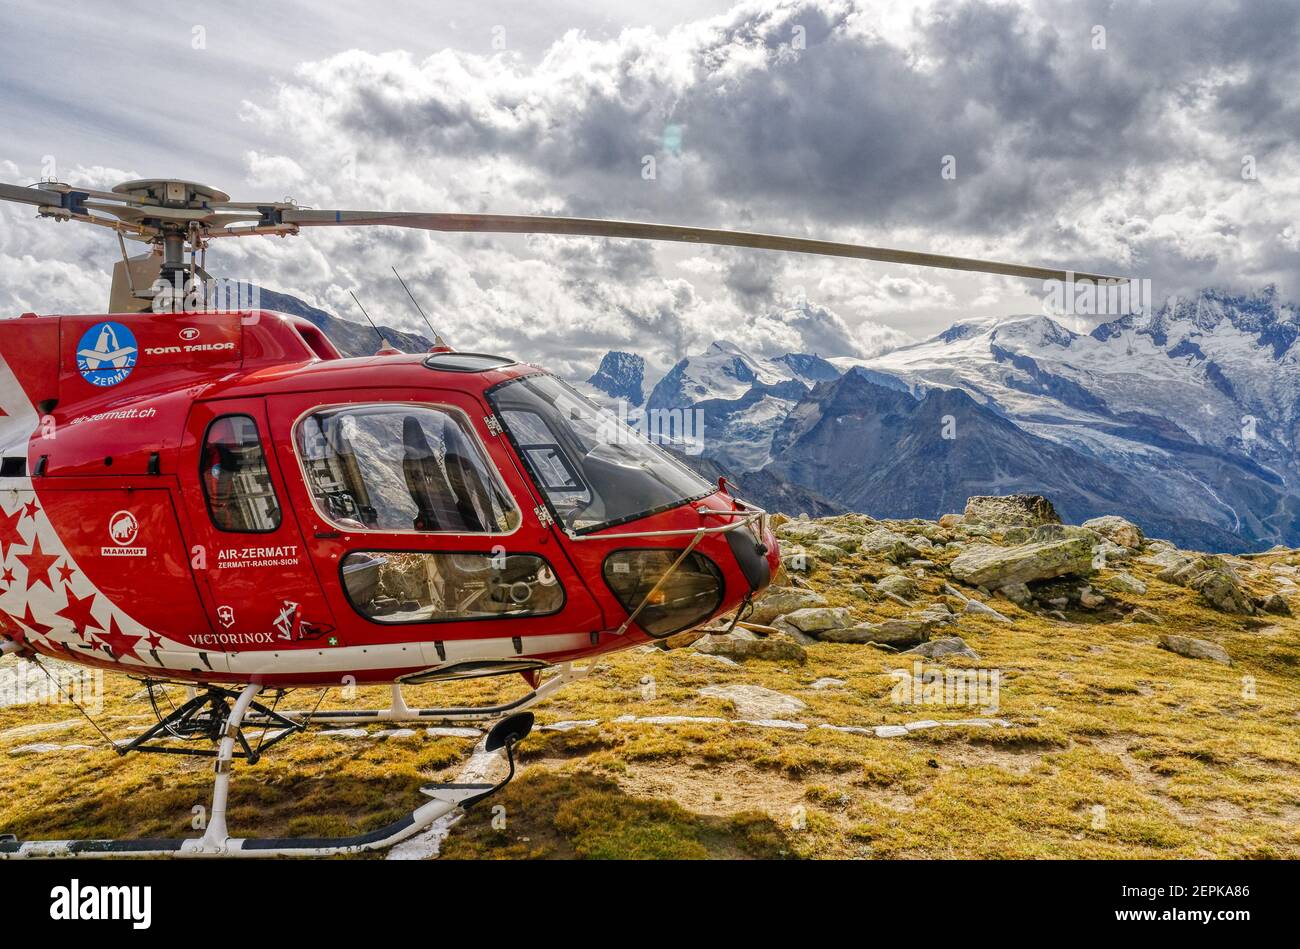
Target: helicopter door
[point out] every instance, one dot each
(261, 591)
(418, 517)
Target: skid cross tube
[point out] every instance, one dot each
(204, 716)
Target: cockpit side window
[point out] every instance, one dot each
(398, 468)
(236, 483)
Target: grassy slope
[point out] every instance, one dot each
(1184, 763)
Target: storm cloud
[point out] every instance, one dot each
(1151, 139)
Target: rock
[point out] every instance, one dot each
(891, 632)
(1017, 593)
(732, 646)
(756, 702)
(451, 731)
(43, 728)
(773, 723)
(44, 748)
(720, 660)
(848, 543)
(1012, 509)
(986, 565)
(827, 553)
(1124, 582)
(1149, 617)
(1107, 551)
(777, 601)
(1118, 531)
(888, 544)
(937, 613)
(1219, 587)
(897, 585)
(800, 531)
(1195, 648)
(944, 646)
(979, 609)
(1089, 600)
(1275, 603)
(794, 633)
(828, 682)
(568, 726)
(815, 619)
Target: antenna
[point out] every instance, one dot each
(437, 338)
(382, 342)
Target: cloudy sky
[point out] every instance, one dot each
(1151, 139)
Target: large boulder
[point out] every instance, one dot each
(756, 702)
(1275, 603)
(1219, 587)
(1195, 648)
(994, 567)
(888, 544)
(777, 601)
(827, 553)
(1031, 509)
(897, 584)
(845, 542)
(904, 631)
(1124, 582)
(1118, 531)
(740, 645)
(813, 620)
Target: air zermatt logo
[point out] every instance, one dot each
(123, 528)
(106, 354)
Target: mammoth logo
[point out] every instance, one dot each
(123, 528)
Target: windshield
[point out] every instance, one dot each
(594, 469)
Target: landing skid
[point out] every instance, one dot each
(195, 717)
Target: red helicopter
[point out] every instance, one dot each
(218, 497)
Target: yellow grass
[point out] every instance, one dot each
(1118, 749)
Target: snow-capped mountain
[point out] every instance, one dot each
(1200, 400)
(735, 399)
(1187, 419)
(620, 376)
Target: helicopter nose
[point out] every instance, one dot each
(757, 554)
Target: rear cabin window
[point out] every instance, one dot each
(236, 482)
(402, 468)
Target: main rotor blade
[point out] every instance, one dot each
(37, 196)
(588, 227)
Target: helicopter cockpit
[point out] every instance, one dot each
(594, 470)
